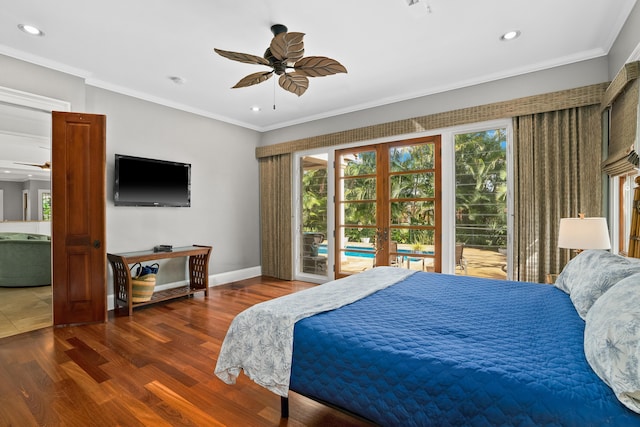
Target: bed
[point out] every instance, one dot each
(403, 348)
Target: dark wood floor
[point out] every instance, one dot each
(153, 369)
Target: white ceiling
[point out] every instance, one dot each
(392, 51)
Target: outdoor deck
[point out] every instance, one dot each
(480, 263)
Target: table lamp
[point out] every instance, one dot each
(583, 233)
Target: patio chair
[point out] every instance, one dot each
(393, 255)
(460, 260)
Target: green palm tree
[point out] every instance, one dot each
(481, 188)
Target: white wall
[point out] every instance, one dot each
(224, 181)
(571, 76)
(224, 210)
(26, 77)
(12, 210)
(627, 45)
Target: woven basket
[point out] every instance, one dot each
(142, 287)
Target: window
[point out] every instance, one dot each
(481, 203)
(407, 203)
(622, 207)
(44, 205)
(313, 209)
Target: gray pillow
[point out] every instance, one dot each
(591, 273)
(612, 340)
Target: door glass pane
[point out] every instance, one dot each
(412, 204)
(360, 214)
(356, 164)
(413, 213)
(481, 203)
(357, 216)
(313, 242)
(411, 157)
(412, 185)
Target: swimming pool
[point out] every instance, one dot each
(322, 249)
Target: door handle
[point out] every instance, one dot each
(96, 244)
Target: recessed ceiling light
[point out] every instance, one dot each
(510, 35)
(30, 29)
(255, 108)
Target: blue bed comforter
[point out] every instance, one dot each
(442, 350)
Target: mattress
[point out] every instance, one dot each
(445, 350)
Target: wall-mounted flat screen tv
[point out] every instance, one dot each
(149, 182)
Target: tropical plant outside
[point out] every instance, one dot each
(481, 189)
(314, 200)
(46, 206)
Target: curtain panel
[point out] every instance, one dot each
(275, 216)
(557, 157)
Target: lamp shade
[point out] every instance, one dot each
(584, 233)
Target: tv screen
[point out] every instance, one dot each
(150, 182)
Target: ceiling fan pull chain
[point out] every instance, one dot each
(274, 94)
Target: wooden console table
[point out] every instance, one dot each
(198, 275)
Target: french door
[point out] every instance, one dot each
(388, 206)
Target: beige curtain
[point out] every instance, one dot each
(275, 216)
(557, 158)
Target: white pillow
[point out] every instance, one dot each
(612, 340)
(591, 273)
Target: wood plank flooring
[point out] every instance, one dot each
(152, 369)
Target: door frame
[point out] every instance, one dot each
(36, 102)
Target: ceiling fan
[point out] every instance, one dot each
(285, 57)
(45, 165)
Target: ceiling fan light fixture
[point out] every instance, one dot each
(285, 57)
(510, 35)
(31, 30)
(278, 28)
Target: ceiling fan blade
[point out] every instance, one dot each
(254, 79)
(287, 47)
(45, 165)
(294, 83)
(318, 66)
(247, 58)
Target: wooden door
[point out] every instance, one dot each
(78, 211)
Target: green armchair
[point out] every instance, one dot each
(25, 259)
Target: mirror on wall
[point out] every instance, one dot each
(25, 173)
